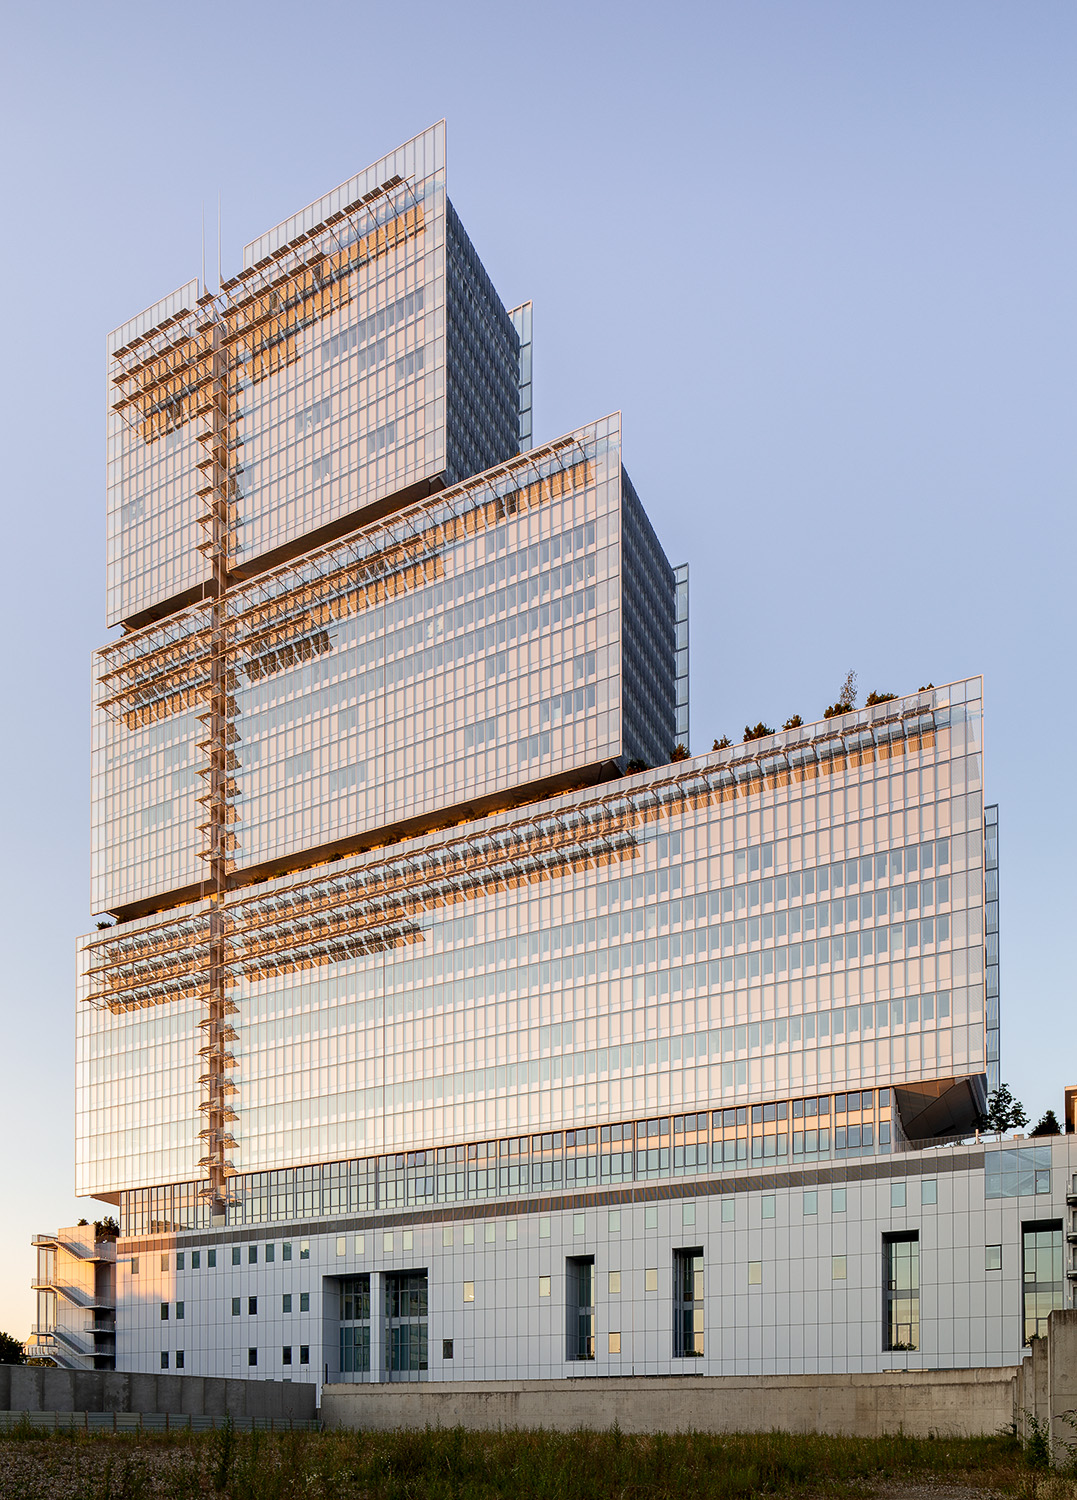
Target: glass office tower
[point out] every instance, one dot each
(447, 1005)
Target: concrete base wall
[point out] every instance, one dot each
(36, 1388)
(947, 1402)
(1047, 1383)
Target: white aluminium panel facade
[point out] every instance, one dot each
(791, 1271)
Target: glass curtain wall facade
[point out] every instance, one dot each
(467, 645)
(364, 354)
(792, 929)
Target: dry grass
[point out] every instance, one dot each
(450, 1464)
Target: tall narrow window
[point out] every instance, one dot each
(580, 1283)
(354, 1325)
(406, 1327)
(901, 1291)
(687, 1303)
(1042, 1270)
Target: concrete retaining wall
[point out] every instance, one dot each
(948, 1402)
(37, 1388)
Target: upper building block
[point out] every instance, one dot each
(507, 638)
(360, 360)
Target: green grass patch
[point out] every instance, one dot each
(451, 1464)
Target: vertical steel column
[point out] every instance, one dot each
(219, 792)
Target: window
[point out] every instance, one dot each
(237, 1255)
(179, 1359)
(179, 1309)
(446, 1235)
(285, 1252)
(446, 1348)
(615, 1343)
(304, 1302)
(992, 1257)
(897, 1195)
(728, 1210)
(304, 1354)
(252, 1255)
(409, 1239)
(342, 1244)
(252, 1357)
(304, 1250)
(837, 1200)
(767, 1207)
(355, 1325)
(286, 1354)
(387, 1242)
(544, 1230)
(1042, 1276)
(650, 1279)
(510, 1231)
(270, 1254)
(406, 1329)
(469, 1291)
(164, 1359)
(360, 1244)
(164, 1312)
(179, 1261)
(544, 1286)
(811, 1203)
(1017, 1173)
(134, 1265)
(614, 1281)
(252, 1306)
(755, 1273)
(580, 1281)
(688, 1303)
(164, 1262)
(614, 1223)
(211, 1259)
(901, 1290)
(688, 1215)
(237, 1303)
(578, 1223)
(196, 1260)
(837, 1268)
(286, 1302)
(650, 1216)
(929, 1191)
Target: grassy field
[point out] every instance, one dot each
(450, 1464)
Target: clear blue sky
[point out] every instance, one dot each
(821, 254)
